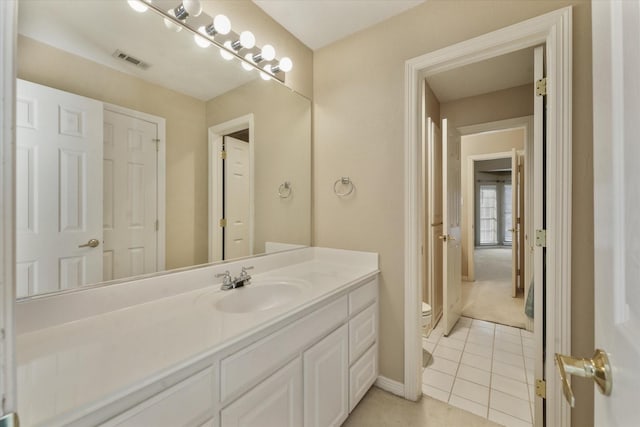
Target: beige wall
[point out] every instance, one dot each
(358, 131)
(245, 15)
(282, 137)
(490, 107)
(186, 177)
(486, 143)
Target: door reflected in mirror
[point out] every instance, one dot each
(130, 156)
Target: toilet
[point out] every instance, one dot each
(426, 315)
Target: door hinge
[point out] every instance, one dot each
(157, 224)
(157, 142)
(541, 87)
(9, 420)
(223, 222)
(517, 272)
(223, 155)
(541, 238)
(541, 388)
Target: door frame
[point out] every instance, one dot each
(161, 175)
(554, 30)
(526, 123)
(216, 133)
(8, 49)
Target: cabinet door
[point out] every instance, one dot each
(326, 385)
(276, 402)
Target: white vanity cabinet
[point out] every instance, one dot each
(335, 363)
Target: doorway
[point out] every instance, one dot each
(231, 189)
(554, 222)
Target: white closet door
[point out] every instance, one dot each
(237, 184)
(130, 196)
(59, 189)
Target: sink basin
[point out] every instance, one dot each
(261, 295)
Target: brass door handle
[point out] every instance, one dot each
(596, 368)
(443, 237)
(92, 243)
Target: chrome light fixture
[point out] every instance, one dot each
(218, 32)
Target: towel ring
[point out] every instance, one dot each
(284, 190)
(345, 180)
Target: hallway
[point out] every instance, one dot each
(489, 297)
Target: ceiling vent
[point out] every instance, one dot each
(130, 59)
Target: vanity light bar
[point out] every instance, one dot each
(218, 32)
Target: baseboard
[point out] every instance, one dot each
(391, 386)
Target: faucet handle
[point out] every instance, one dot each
(226, 277)
(243, 272)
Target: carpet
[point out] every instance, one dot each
(489, 297)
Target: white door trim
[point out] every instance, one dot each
(554, 30)
(525, 123)
(161, 175)
(8, 47)
(215, 178)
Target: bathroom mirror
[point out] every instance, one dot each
(140, 151)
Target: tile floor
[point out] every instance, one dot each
(484, 368)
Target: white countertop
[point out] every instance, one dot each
(78, 363)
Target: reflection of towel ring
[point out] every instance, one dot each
(284, 191)
(345, 180)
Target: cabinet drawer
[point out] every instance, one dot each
(363, 296)
(186, 403)
(362, 332)
(362, 375)
(253, 363)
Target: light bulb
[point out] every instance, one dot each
(200, 40)
(170, 24)
(222, 24)
(247, 39)
(138, 5)
(225, 54)
(193, 7)
(249, 58)
(265, 76)
(268, 53)
(285, 64)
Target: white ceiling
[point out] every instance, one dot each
(502, 72)
(317, 23)
(95, 29)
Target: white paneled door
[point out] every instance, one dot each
(616, 101)
(58, 189)
(237, 200)
(451, 237)
(130, 210)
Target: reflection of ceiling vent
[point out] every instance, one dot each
(130, 59)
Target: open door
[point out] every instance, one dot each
(539, 224)
(59, 139)
(451, 236)
(434, 210)
(514, 223)
(616, 102)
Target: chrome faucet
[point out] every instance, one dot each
(228, 283)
